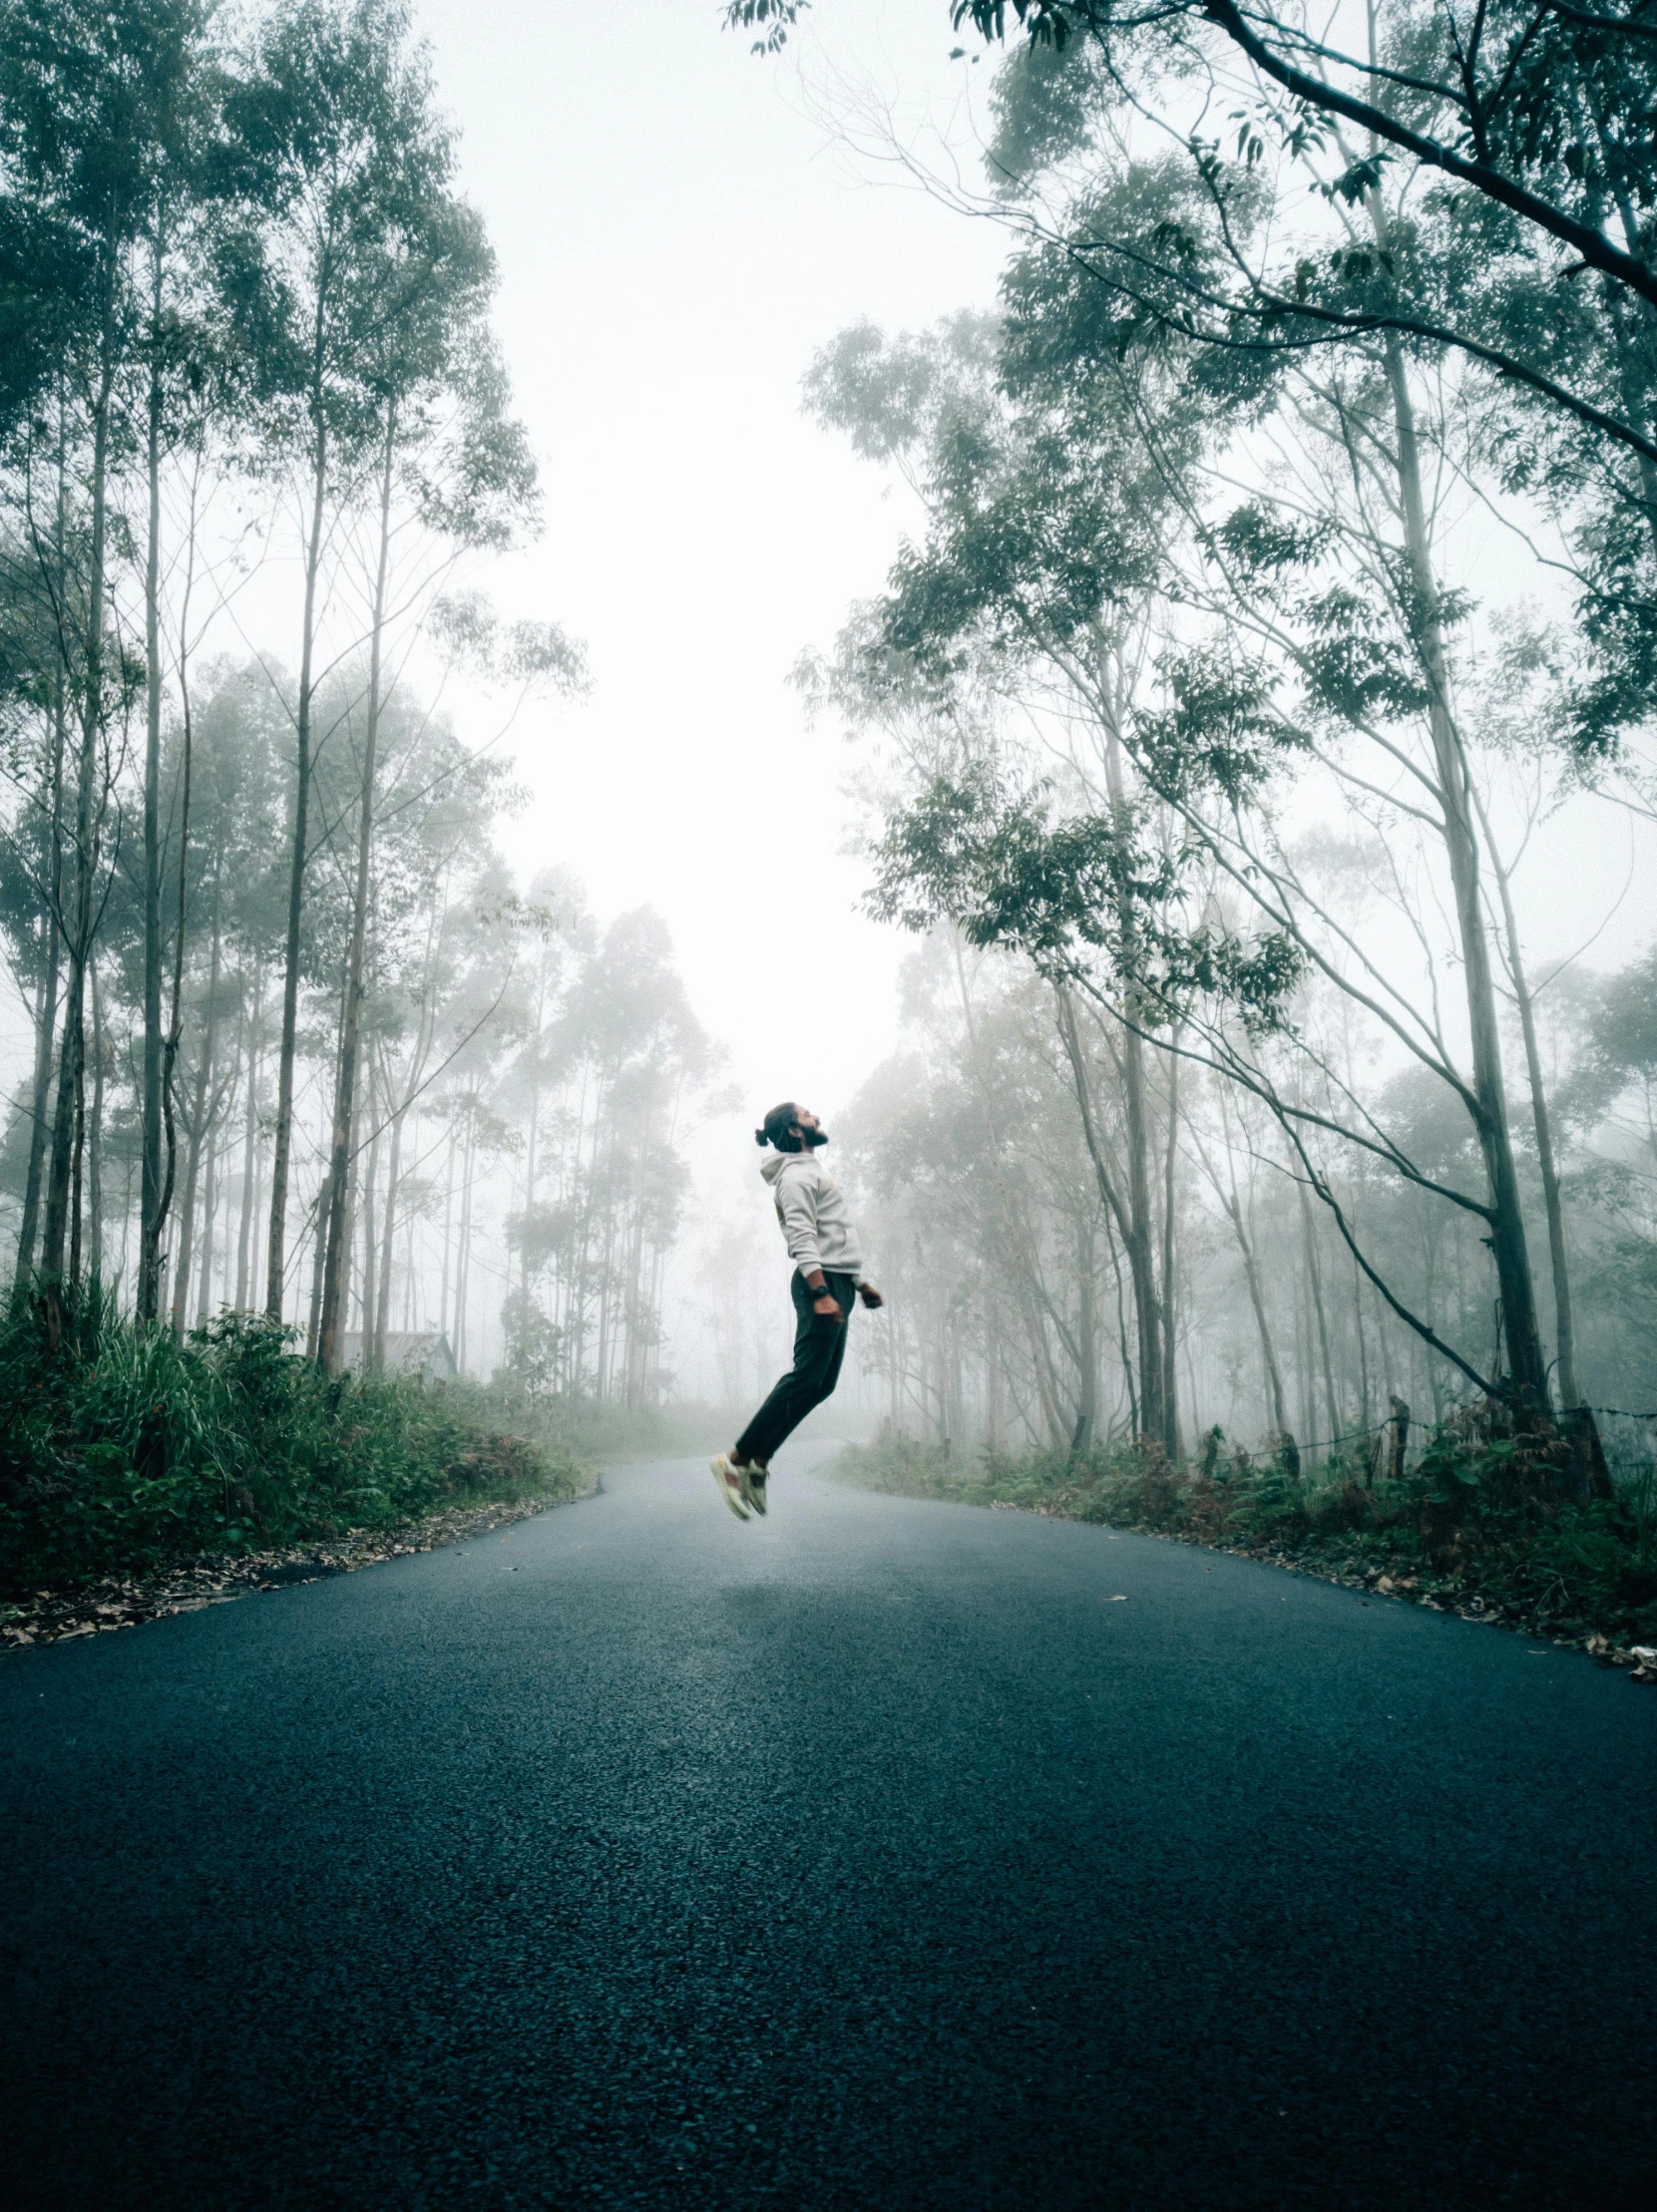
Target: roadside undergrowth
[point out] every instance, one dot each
(125, 1453)
(1475, 1527)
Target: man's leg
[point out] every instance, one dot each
(844, 1287)
(819, 1349)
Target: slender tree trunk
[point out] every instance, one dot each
(1170, 1317)
(276, 1247)
(370, 1255)
(345, 1122)
(447, 1317)
(1131, 1211)
(40, 1098)
(393, 1184)
(1528, 1370)
(150, 1115)
(209, 1208)
(47, 1029)
(249, 1147)
(1123, 1350)
(1268, 1350)
(315, 1323)
(463, 1267)
(72, 1064)
(1138, 1233)
(204, 1265)
(77, 1180)
(197, 1130)
(175, 1027)
(1087, 1393)
(94, 1135)
(1314, 1282)
(1564, 1323)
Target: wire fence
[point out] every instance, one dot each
(1382, 1429)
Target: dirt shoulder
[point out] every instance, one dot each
(55, 1617)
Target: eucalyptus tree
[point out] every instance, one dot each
(439, 967)
(1511, 141)
(1211, 733)
(456, 463)
(336, 147)
(33, 734)
(90, 98)
(617, 1062)
(1042, 561)
(1298, 629)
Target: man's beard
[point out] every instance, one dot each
(814, 1138)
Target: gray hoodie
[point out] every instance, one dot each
(816, 1226)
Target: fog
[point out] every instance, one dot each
(658, 736)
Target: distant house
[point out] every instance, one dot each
(408, 1352)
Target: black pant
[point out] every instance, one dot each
(819, 1348)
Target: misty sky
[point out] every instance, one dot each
(676, 238)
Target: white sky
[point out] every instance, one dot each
(676, 238)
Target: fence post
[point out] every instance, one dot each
(1399, 1439)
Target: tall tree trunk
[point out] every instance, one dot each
(209, 1209)
(196, 1130)
(95, 1134)
(215, 1156)
(1527, 1371)
(315, 1323)
(249, 1147)
(150, 1115)
(72, 1063)
(1139, 1229)
(463, 1266)
(77, 1177)
(1171, 1316)
(1131, 1212)
(175, 1023)
(1564, 1319)
(1314, 1282)
(345, 1122)
(277, 1246)
(370, 1255)
(375, 1361)
(1088, 1391)
(447, 1319)
(47, 1028)
(40, 1098)
(1257, 1301)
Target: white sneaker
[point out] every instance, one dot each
(754, 1478)
(727, 1480)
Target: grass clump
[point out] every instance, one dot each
(124, 1449)
(1477, 1524)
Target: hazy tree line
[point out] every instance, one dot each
(1286, 574)
(251, 896)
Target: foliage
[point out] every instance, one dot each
(127, 1448)
(1471, 1525)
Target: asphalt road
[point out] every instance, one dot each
(878, 1855)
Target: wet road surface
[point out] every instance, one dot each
(878, 1855)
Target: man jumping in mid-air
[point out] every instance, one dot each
(828, 1272)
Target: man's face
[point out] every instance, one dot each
(812, 1132)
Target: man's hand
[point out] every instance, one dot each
(870, 1296)
(826, 1303)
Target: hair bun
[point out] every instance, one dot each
(760, 1137)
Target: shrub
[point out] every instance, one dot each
(125, 1448)
(1480, 1513)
